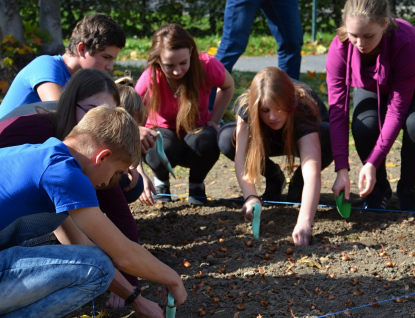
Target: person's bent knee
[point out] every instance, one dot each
(101, 271)
(410, 126)
(226, 140)
(204, 140)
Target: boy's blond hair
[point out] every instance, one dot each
(130, 99)
(110, 127)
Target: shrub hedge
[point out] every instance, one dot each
(142, 17)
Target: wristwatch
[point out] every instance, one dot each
(133, 296)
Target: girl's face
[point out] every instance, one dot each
(363, 34)
(272, 116)
(175, 63)
(83, 106)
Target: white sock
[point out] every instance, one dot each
(158, 182)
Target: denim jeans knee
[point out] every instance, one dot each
(51, 281)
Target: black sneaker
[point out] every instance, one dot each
(378, 198)
(162, 189)
(197, 196)
(274, 185)
(406, 197)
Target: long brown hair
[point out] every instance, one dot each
(174, 37)
(374, 10)
(272, 85)
(83, 84)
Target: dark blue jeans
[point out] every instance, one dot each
(284, 22)
(51, 280)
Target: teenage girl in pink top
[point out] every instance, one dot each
(175, 88)
(373, 53)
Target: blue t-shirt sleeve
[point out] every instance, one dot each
(48, 69)
(44, 68)
(66, 186)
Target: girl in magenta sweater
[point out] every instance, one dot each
(373, 53)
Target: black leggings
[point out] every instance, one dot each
(365, 129)
(199, 152)
(226, 142)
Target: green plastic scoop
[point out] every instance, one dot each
(160, 151)
(256, 222)
(170, 312)
(343, 207)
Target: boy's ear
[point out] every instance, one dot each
(102, 155)
(82, 50)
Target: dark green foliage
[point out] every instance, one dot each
(143, 17)
(15, 54)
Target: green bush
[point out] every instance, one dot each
(201, 18)
(16, 54)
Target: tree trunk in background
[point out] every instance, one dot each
(392, 6)
(50, 19)
(11, 23)
(143, 19)
(10, 20)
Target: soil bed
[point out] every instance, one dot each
(350, 262)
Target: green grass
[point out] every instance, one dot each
(242, 80)
(258, 45)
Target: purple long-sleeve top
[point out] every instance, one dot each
(35, 129)
(392, 75)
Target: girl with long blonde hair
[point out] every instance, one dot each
(277, 117)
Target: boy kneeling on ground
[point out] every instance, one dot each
(50, 187)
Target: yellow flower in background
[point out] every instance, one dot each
(118, 73)
(322, 88)
(212, 51)
(321, 49)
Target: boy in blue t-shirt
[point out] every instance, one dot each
(95, 43)
(51, 187)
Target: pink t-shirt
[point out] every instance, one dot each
(166, 117)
